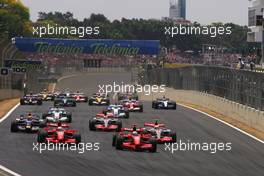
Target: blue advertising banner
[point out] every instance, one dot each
(105, 47)
(23, 64)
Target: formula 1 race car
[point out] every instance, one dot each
(105, 122)
(80, 97)
(58, 133)
(31, 99)
(57, 115)
(159, 132)
(164, 103)
(127, 95)
(132, 139)
(99, 99)
(46, 96)
(132, 105)
(116, 111)
(28, 123)
(64, 102)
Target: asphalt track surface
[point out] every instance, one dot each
(245, 159)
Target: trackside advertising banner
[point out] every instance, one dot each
(105, 47)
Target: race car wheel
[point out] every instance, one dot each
(42, 135)
(153, 142)
(92, 125)
(43, 124)
(22, 102)
(174, 106)
(127, 114)
(114, 140)
(44, 116)
(174, 137)
(119, 126)
(77, 138)
(69, 119)
(107, 102)
(90, 102)
(141, 108)
(69, 115)
(154, 105)
(39, 102)
(119, 143)
(14, 127)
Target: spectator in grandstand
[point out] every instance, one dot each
(241, 63)
(252, 64)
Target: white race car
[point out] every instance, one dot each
(57, 115)
(164, 103)
(117, 111)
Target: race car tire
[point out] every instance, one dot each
(43, 124)
(77, 138)
(39, 103)
(127, 114)
(175, 106)
(141, 108)
(119, 143)
(42, 136)
(90, 102)
(174, 137)
(69, 115)
(22, 102)
(154, 105)
(13, 128)
(119, 126)
(107, 102)
(114, 140)
(69, 119)
(92, 125)
(44, 116)
(153, 142)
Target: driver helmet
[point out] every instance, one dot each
(29, 115)
(134, 128)
(134, 133)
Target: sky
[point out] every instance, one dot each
(202, 11)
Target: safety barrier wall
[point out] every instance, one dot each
(243, 87)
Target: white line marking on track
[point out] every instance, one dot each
(9, 112)
(9, 171)
(257, 139)
(1, 120)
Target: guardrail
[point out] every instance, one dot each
(244, 87)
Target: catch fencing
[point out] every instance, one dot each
(244, 87)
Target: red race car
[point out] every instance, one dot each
(80, 97)
(159, 132)
(105, 122)
(132, 105)
(133, 139)
(58, 133)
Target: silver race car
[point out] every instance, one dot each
(57, 115)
